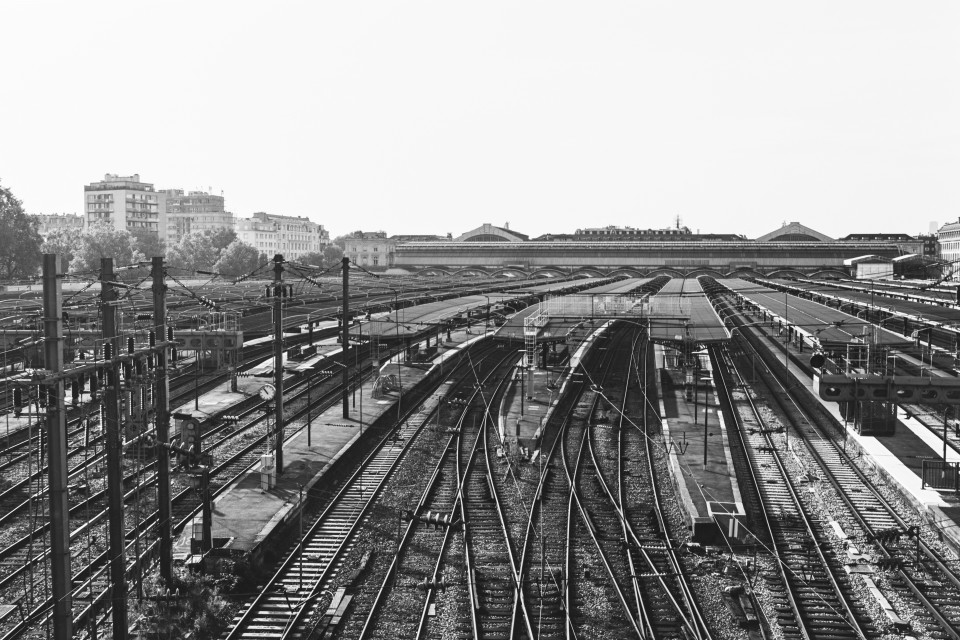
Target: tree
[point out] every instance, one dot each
(147, 244)
(197, 251)
(103, 240)
(63, 242)
(238, 259)
(192, 607)
(221, 238)
(313, 257)
(194, 251)
(20, 241)
(332, 254)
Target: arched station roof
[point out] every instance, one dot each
(794, 232)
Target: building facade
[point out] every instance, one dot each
(290, 236)
(948, 237)
(51, 222)
(123, 201)
(629, 234)
(907, 243)
(369, 248)
(194, 212)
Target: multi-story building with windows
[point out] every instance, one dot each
(194, 212)
(124, 202)
(948, 237)
(369, 248)
(629, 234)
(51, 222)
(291, 236)
(906, 243)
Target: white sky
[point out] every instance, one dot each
(435, 117)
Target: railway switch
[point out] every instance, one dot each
(436, 519)
(888, 535)
(432, 585)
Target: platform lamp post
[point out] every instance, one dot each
(523, 366)
(786, 356)
(309, 371)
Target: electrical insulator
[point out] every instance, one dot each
(149, 361)
(138, 366)
(266, 291)
(170, 334)
(130, 344)
(75, 391)
(144, 316)
(173, 354)
(107, 350)
(152, 338)
(126, 372)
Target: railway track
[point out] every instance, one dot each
(625, 457)
(596, 562)
(816, 597)
(918, 570)
(291, 598)
(418, 564)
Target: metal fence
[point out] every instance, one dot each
(939, 474)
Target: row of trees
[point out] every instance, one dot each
(21, 247)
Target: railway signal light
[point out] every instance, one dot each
(17, 401)
(107, 350)
(130, 345)
(914, 531)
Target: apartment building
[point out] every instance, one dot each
(125, 202)
(194, 212)
(291, 236)
(53, 221)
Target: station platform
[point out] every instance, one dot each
(896, 458)
(814, 323)
(530, 401)
(930, 311)
(408, 322)
(246, 514)
(680, 311)
(557, 327)
(699, 451)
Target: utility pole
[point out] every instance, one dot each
(163, 423)
(111, 414)
(57, 451)
(278, 356)
(345, 338)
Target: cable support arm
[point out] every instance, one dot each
(47, 377)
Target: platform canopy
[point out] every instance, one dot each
(681, 311)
